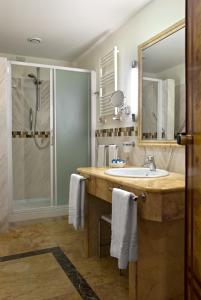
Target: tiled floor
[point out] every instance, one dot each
(44, 275)
(37, 277)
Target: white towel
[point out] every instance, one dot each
(101, 156)
(112, 153)
(76, 201)
(124, 228)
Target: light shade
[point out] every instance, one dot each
(134, 89)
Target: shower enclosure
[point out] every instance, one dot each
(158, 99)
(51, 128)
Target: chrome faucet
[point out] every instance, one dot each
(150, 162)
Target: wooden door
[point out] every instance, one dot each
(193, 151)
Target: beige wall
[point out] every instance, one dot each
(4, 146)
(151, 20)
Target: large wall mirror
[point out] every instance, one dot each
(162, 86)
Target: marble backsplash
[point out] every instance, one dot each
(170, 158)
(31, 166)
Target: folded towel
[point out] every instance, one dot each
(124, 228)
(76, 201)
(112, 153)
(101, 156)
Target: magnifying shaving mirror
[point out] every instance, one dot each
(117, 100)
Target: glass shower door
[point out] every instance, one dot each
(72, 128)
(31, 137)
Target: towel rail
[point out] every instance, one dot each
(142, 196)
(106, 55)
(107, 81)
(106, 146)
(84, 179)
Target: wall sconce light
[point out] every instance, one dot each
(134, 90)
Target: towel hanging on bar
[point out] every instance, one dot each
(76, 201)
(124, 244)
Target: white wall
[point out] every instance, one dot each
(151, 20)
(38, 60)
(177, 73)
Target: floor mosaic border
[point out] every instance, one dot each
(81, 285)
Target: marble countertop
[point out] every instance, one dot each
(172, 182)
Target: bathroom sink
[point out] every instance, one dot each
(136, 172)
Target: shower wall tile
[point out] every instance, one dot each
(18, 169)
(31, 170)
(37, 170)
(4, 188)
(30, 134)
(24, 98)
(44, 114)
(18, 108)
(31, 166)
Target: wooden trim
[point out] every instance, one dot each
(163, 34)
(193, 158)
(187, 241)
(159, 143)
(155, 39)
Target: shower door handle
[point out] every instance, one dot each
(31, 119)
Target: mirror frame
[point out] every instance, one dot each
(155, 39)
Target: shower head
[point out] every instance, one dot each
(32, 76)
(36, 81)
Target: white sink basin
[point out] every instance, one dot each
(136, 172)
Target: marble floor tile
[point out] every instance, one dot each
(102, 275)
(36, 277)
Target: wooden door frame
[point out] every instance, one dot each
(193, 55)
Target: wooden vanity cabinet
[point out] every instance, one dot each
(159, 271)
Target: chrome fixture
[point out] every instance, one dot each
(150, 162)
(37, 82)
(30, 119)
(134, 64)
(133, 117)
(127, 146)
